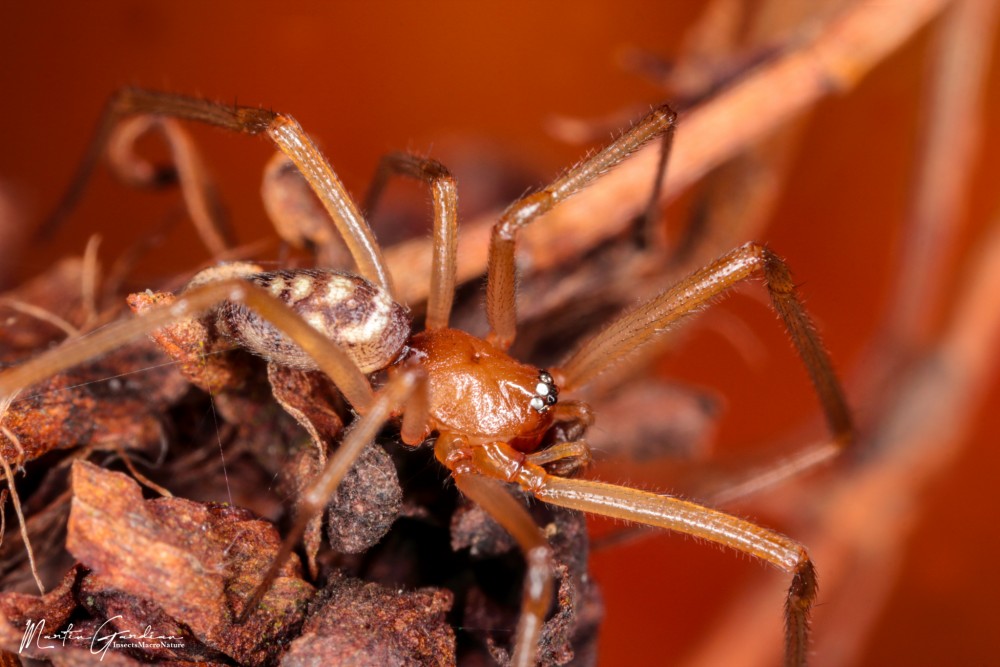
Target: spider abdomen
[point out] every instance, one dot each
(360, 317)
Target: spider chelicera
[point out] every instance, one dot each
(488, 413)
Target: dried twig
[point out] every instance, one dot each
(17, 509)
(839, 56)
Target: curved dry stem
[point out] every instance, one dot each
(40, 314)
(283, 130)
(197, 189)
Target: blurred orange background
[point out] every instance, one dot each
(365, 79)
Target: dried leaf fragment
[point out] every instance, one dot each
(197, 562)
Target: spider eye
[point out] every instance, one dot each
(546, 393)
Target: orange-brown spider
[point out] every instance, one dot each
(489, 412)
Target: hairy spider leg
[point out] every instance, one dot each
(283, 130)
(500, 461)
(657, 315)
(501, 307)
(444, 197)
(393, 397)
(537, 592)
(116, 137)
(637, 327)
(328, 356)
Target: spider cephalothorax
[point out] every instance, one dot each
(479, 391)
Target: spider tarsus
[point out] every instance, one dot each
(801, 595)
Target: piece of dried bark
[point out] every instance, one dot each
(84, 407)
(130, 615)
(196, 344)
(352, 624)
(197, 562)
(49, 611)
(570, 634)
(241, 394)
(233, 377)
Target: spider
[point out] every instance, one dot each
(486, 413)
